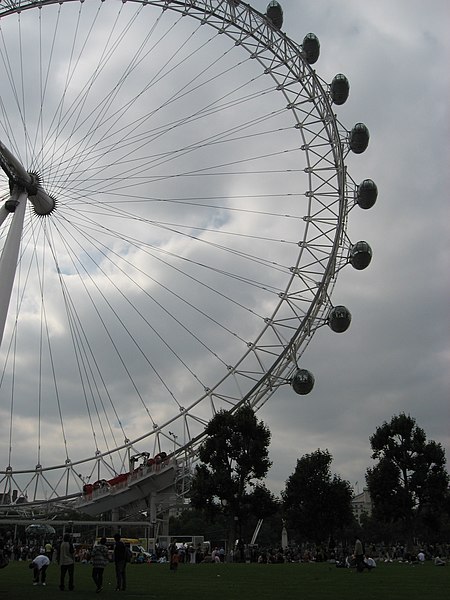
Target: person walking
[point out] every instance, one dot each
(39, 565)
(120, 561)
(66, 562)
(99, 562)
(173, 556)
(359, 556)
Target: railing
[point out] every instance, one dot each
(143, 471)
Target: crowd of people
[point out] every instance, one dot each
(65, 555)
(359, 556)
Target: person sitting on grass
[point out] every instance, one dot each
(421, 557)
(369, 563)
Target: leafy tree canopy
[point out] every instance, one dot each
(316, 503)
(234, 460)
(410, 479)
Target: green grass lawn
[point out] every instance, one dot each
(240, 582)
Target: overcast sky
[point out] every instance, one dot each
(395, 356)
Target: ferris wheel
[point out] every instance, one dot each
(174, 208)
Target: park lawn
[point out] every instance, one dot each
(320, 581)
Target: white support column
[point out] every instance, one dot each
(10, 253)
(3, 214)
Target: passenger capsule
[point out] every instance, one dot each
(366, 194)
(359, 138)
(274, 13)
(339, 89)
(360, 255)
(339, 319)
(311, 48)
(302, 382)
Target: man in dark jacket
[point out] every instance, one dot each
(120, 561)
(66, 561)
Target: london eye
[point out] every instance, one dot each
(174, 211)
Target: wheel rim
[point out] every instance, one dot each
(283, 296)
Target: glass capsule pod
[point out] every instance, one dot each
(302, 382)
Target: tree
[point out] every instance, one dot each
(409, 484)
(234, 460)
(317, 505)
